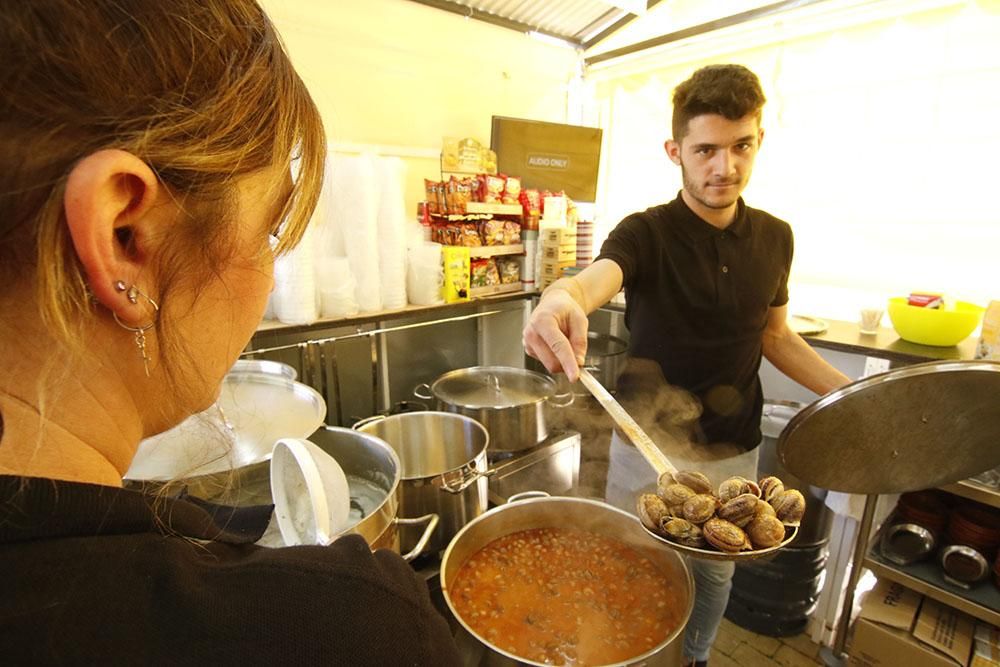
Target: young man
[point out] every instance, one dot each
(705, 279)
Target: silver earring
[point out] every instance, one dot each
(140, 332)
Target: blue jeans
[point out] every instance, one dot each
(629, 475)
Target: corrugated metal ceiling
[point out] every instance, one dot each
(579, 22)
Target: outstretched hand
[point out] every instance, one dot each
(556, 334)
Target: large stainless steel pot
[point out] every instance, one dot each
(443, 458)
(373, 473)
(560, 512)
(606, 358)
(509, 402)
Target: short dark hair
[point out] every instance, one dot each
(732, 91)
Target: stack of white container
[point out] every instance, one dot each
(353, 257)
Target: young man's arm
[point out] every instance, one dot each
(556, 333)
(794, 357)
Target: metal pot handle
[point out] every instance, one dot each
(565, 400)
(527, 495)
(367, 420)
(426, 387)
(432, 522)
(456, 481)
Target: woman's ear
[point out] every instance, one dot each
(110, 196)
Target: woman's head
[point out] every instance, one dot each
(150, 141)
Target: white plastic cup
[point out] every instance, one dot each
(312, 499)
(870, 320)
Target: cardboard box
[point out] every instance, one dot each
(985, 646)
(946, 630)
(559, 253)
(553, 269)
(559, 236)
(884, 634)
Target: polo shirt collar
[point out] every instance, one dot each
(697, 229)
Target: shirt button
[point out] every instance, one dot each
(725, 269)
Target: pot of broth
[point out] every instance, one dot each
(509, 402)
(567, 581)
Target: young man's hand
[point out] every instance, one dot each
(556, 333)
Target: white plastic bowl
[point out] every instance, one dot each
(312, 500)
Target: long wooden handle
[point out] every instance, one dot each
(629, 427)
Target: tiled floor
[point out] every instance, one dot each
(736, 647)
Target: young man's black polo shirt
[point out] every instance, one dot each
(697, 303)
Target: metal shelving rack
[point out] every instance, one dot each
(981, 601)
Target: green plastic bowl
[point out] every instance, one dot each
(942, 327)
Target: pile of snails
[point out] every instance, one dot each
(741, 515)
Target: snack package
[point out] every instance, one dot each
(470, 155)
(492, 272)
(479, 194)
(442, 198)
(531, 204)
(456, 273)
(479, 273)
(510, 270)
(489, 161)
(924, 300)
(494, 189)
(449, 154)
(492, 232)
(431, 193)
(511, 233)
(512, 190)
(468, 235)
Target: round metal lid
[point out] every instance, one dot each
(602, 345)
(256, 410)
(493, 387)
(912, 428)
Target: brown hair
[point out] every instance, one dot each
(732, 91)
(201, 90)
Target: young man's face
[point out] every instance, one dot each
(716, 157)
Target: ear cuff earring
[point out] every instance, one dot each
(132, 293)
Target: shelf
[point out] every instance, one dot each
(478, 292)
(982, 602)
(974, 491)
(494, 250)
(493, 209)
(268, 328)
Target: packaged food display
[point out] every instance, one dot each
(470, 155)
(484, 273)
(468, 235)
(492, 232)
(510, 270)
(494, 189)
(512, 190)
(431, 193)
(449, 153)
(456, 273)
(531, 205)
(511, 233)
(489, 161)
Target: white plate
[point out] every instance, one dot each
(260, 409)
(804, 325)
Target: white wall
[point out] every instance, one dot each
(399, 74)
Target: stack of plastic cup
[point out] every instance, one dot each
(425, 274)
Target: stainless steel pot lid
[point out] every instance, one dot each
(264, 366)
(913, 428)
(493, 387)
(602, 345)
(258, 409)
